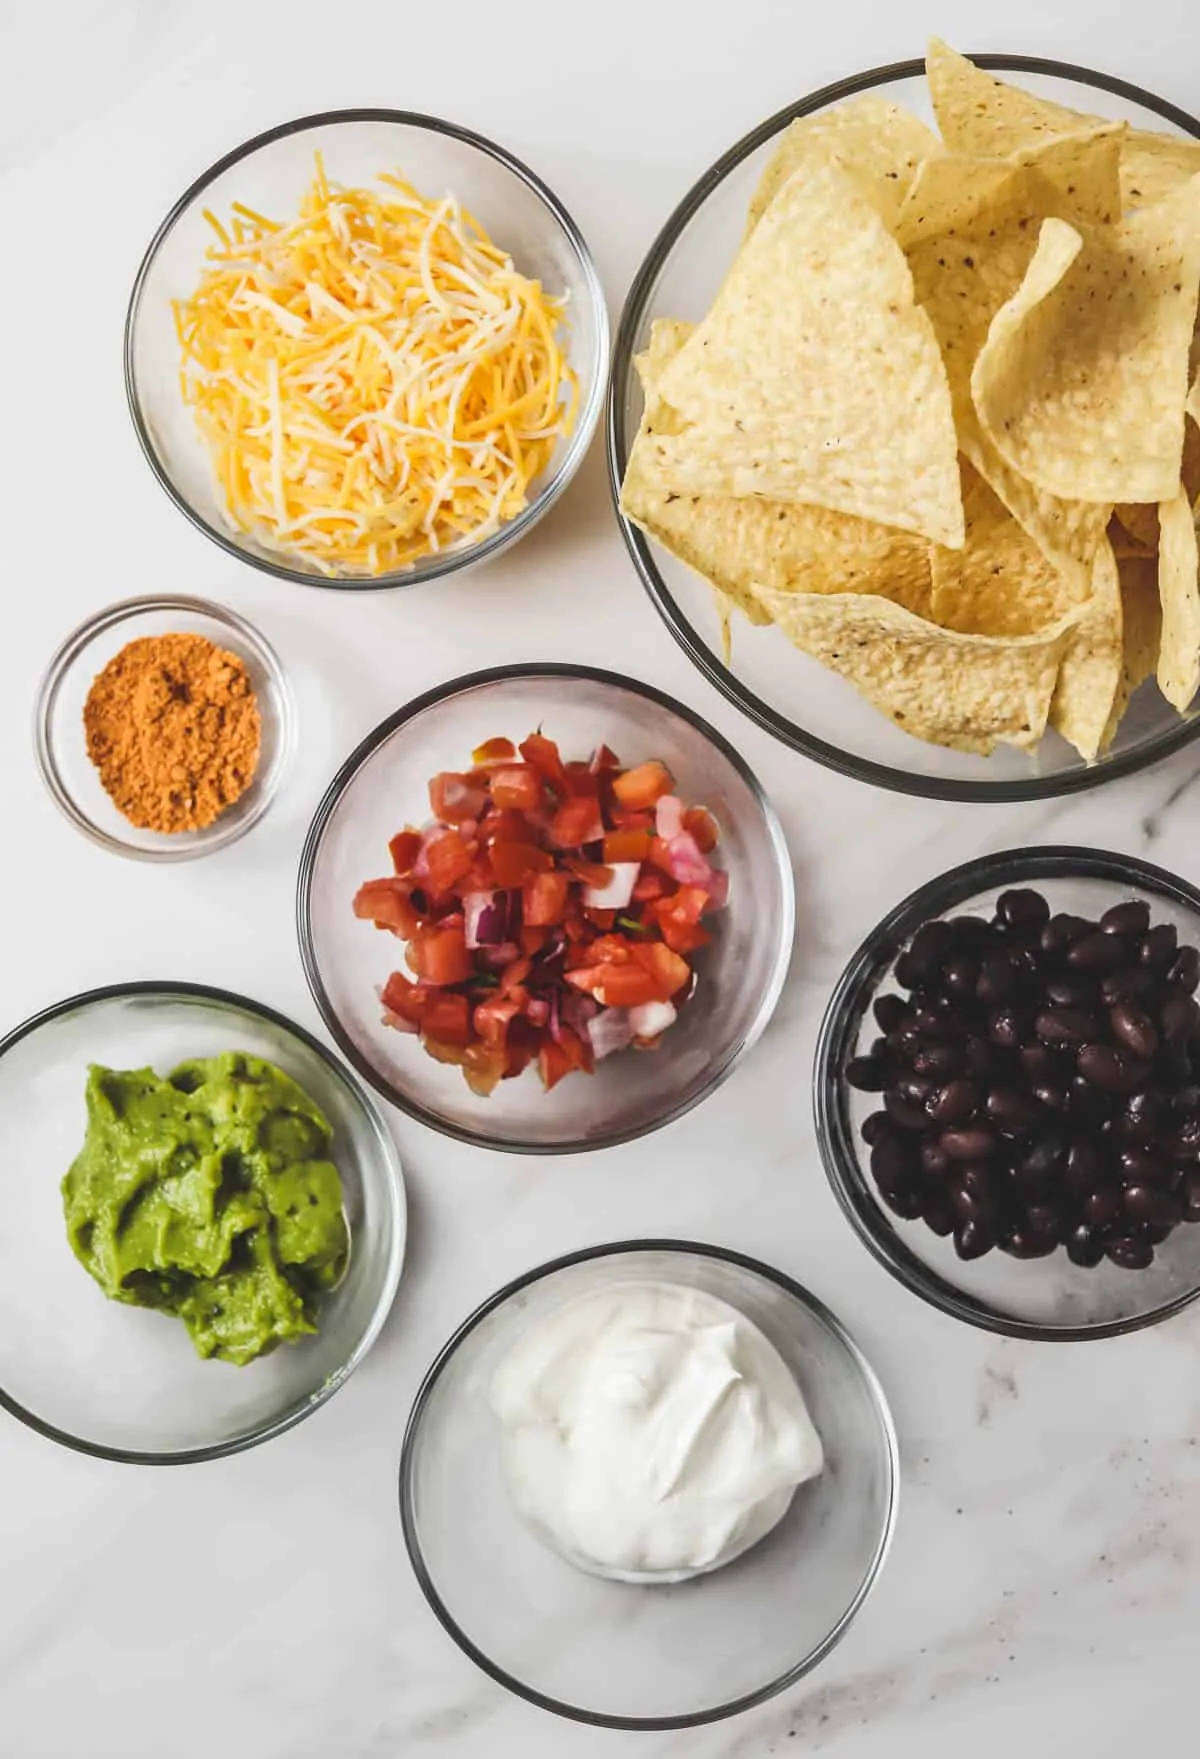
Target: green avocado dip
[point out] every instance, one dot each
(209, 1195)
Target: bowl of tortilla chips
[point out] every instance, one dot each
(904, 426)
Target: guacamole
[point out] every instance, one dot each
(209, 1195)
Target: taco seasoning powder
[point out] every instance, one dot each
(173, 727)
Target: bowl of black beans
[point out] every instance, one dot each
(1007, 1093)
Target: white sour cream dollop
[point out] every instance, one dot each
(650, 1431)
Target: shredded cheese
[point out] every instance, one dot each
(375, 381)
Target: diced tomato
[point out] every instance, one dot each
(443, 1052)
(405, 846)
(682, 937)
(641, 787)
(514, 863)
(449, 860)
(577, 822)
(448, 1019)
(604, 760)
(611, 949)
(660, 856)
(388, 904)
(626, 846)
(514, 975)
(455, 798)
(577, 1052)
(493, 751)
(623, 820)
(590, 873)
(544, 899)
(493, 1018)
(601, 919)
(484, 1065)
(689, 904)
(406, 999)
(552, 1064)
(441, 956)
(678, 918)
(517, 788)
(618, 986)
(533, 939)
(669, 971)
(703, 827)
(582, 782)
(543, 754)
(519, 1052)
(503, 827)
(652, 883)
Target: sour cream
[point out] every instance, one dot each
(650, 1431)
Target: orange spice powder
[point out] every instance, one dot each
(173, 727)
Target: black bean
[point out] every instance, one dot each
(1131, 917)
(874, 1127)
(1116, 1071)
(927, 1021)
(1054, 1098)
(1179, 1018)
(919, 1088)
(969, 1142)
(1022, 909)
(960, 975)
(974, 1237)
(1155, 1234)
(908, 1113)
(1130, 1252)
(1185, 970)
(1062, 930)
(868, 1074)
(1084, 1246)
(1047, 1217)
(1022, 1242)
(1097, 953)
(1186, 1141)
(1065, 1025)
(938, 1059)
(905, 1200)
(936, 1213)
(1010, 1110)
(1040, 1063)
(952, 1103)
(1139, 1166)
(1043, 1155)
(977, 1055)
(997, 980)
(1081, 1170)
(972, 934)
(1159, 945)
(1143, 1115)
(1150, 1203)
(931, 944)
(1189, 1191)
(1133, 1028)
(934, 1159)
(1131, 983)
(890, 1011)
(1102, 1207)
(1090, 1106)
(1007, 1028)
(906, 1040)
(1070, 992)
(889, 1161)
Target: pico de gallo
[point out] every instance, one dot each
(551, 911)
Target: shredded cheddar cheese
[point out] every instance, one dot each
(374, 380)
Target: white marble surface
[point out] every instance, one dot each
(1044, 1589)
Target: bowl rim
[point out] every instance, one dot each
(619, 1248)
(617, 445)
(212, 837)
(346, 775)
(549, 487)
(397, 1200)
(845, 1010)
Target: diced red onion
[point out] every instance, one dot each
(619, 889)
(537, 1010)
(688, 866)
(718, 888)
(481, 920)
(578, 1011)
(610, 1030)
(668, 817)
(496, 958)
(648, 1019)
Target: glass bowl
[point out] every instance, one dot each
(1047, 1298)
(623, 1654)
(61, 745)
(121, 1382)
(269, 174)
(783, 690)
(384, 785)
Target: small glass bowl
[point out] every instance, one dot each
(786, 692)
(269, 174)
(61, 745)
(1049, 1299)
(121, 1382)
(628, 1655)
(384, 785)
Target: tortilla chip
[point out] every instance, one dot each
(999, 583)
(816, 377)
(879, 142)
(978, 113)
(1091, 663)
(1082, 380)
(1179, 597)
(736, 543)
(1193, 400)
(969, 692)
(1141, 621)
(969, 229)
